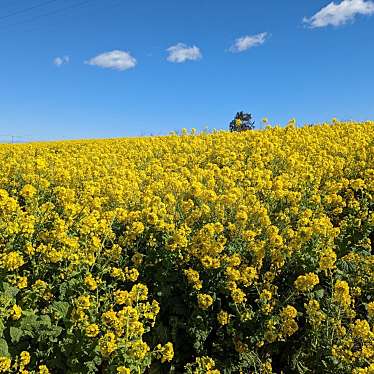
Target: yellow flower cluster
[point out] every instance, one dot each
(202, 365)
(327, 259)
(289, 325)
(341, 293)
(166, 353)
(204, 301)
(193, 278)
(305, 283)
(315, 315)
(356, 346)
(223, 318)
(5, 364)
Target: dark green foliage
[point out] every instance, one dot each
(242, 122)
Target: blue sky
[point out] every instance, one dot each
(59, 77)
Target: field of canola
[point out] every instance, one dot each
(212, 253)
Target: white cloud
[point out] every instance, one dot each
(117, 60)
(339, 14)
(181, 52)
(248, 41)
(58, 61)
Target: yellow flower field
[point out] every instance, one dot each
(199, 253)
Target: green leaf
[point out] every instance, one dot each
(9, 290)
(44, 321)
(29, 321)
(61, 307)
(55, 331)
(91, 366)
(4, 348)
(319, 294)
(15, 334)
(2, 328)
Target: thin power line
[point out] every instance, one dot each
(25, 10)
(51, 13)
(98, 7)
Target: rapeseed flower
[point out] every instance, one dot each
(305, 283)
(92, 330)
(204, 301)
(5, 364)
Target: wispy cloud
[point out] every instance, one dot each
(117, 60)
(59, 61)
(181, 52)
(339, 14)
(248, 41)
